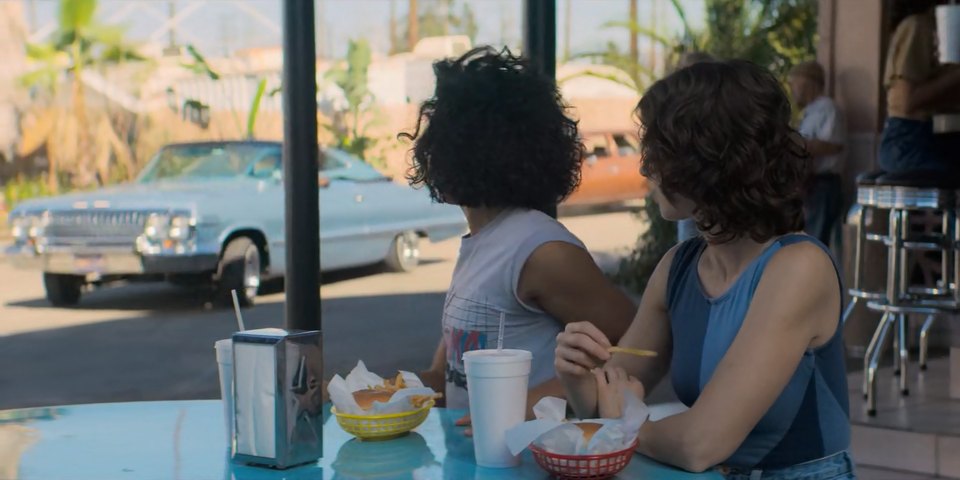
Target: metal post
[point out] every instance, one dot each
(540, 45)
(300, 161)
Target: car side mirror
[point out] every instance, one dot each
(323, 182)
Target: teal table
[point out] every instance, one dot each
(185, 440)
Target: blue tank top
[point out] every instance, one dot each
(810, 418)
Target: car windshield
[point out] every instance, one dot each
(204, 161)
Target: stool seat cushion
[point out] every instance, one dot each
(869, 178)
(936, 180)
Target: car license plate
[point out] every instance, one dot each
(89, 263)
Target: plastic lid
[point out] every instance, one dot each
(492, 355)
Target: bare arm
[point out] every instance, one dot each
(581, 348)
(782, 323)
(436, 376)
(820, 148)
(564, 281)
(942, 88)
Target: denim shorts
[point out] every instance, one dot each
(838, 466)
(910, 146)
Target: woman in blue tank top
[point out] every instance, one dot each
(746, 317)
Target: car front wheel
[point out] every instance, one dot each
(63, 290)
(240, 270)
(404, 254)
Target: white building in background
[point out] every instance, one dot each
(408, 77)
(586, 81)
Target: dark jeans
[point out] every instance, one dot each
(822, 206)
(910, 146)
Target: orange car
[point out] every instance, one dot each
(611, 170)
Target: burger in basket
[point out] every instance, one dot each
(576, 449)
(370, 407)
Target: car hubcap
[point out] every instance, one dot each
(408, 249)
(251, 272)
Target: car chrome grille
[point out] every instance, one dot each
(103, 227)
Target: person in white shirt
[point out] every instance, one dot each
(824, 135)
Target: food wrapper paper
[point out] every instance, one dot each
(341, 392)
(552, 432)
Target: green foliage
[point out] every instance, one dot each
(80, 41)
(637, 267)
(255, 107)
(350, 127)
(199, 64)
(23, 188)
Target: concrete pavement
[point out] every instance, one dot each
(155, 341)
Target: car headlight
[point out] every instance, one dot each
(180, 228)
(156, 227)
(177, 227)
(19, 227)
(27, 227)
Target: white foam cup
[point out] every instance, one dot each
(224, 350)
(948, 31)
(497, 382)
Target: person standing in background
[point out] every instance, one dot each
(918, 86)
(687, 228)
(824, 136)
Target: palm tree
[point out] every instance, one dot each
(79, 43)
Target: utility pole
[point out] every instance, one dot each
(566, 31)
(393, 26)
(172, 12)
(413, 25)
(634, 42)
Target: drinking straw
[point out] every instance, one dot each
(503, 320)
(236, 309)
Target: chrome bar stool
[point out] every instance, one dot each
(904, 195)
(869, 195)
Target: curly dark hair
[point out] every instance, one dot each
(496, 135)
(718, 133)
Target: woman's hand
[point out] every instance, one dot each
(581, 347)
(612, 384)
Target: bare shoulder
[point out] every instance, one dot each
(559, 255)
(801, 284)
(803, 261)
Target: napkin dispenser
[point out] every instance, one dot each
(277, 393)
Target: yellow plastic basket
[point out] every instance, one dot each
(382, 427)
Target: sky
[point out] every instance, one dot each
(217, 27)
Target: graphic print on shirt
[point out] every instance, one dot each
(468, 324)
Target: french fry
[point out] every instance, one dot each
(633, 351)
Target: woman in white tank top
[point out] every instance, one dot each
(495, 139)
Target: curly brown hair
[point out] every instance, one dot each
(718, 133)
(496, 135)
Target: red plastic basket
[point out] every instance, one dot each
(583, 467)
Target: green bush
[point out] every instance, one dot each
(24, 188)
(637, 267)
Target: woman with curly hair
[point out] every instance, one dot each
(495, 139)
(747, 316)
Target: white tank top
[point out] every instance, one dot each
(484, 285)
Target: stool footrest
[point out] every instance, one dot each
(867, 295)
